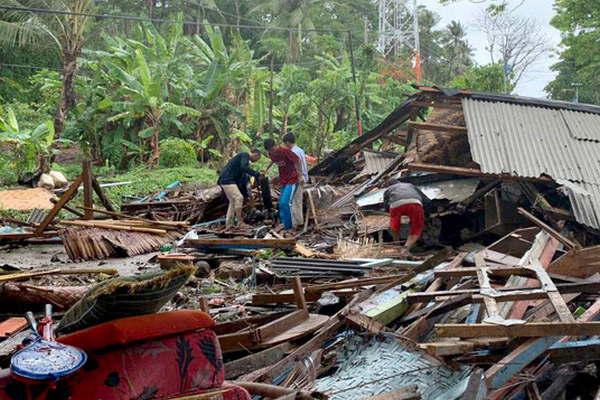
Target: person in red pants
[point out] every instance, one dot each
(404, 199)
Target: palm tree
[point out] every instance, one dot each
(457, 49)
(290, 13)
(65, 29)
(143, 80)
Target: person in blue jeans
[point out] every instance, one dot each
(289, 177)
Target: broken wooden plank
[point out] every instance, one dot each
(505, 294)
(476, 388)
(575, 351)
(443, 169)
(448, 305)
(256, 361)
(299, 294)
(499, 271)
(531, 329)
(500, 373)
(459, 347)
(551, 231)
(101, 195)
(253, 243)
(486, 290)
(352, 283)
(88, 191)
(64, 199)
(12, 326)
(579, 263)
(366, 323)
(280, 325)
(437, 127)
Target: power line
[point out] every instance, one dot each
(161, 20)
(194, 3)
(27, 66)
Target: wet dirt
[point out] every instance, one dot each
(40, 256)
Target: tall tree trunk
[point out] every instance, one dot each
(67, 96)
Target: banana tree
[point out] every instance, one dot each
(33, 144)
(145, 95)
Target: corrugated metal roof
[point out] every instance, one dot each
(376, 161)
(532, 141)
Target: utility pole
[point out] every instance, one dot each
(359, 126)
(399, 30)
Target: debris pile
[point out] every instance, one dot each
(498, 300)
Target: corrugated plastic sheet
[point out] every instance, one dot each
(381, 365)
(532, 141)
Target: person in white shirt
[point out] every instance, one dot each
(289, 140)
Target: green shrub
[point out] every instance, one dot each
(177, 153)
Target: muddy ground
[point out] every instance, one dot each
(39, 256)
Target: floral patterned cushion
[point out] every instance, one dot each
(164, 368)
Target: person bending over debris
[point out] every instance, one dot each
(404, 199)
(234, 181)
(289, 177)
(289, 140)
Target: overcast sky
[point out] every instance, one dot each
(532, 84)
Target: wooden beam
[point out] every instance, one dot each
(439, 104)
(551, 231)
(88, 191)
(575, 351)
(366, 323)
(505, 293)
(299, 294)
(280, 325)
(438, 127)
(448, 305)
(531, 329)
(352, 283)
(101, 195)
(261, 299)
(502, 372)
(64, 199)
(443, 169)
(272, 243)
(476, 388)
(499, 271)
(256, 361)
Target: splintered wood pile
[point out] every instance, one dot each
(94, 243)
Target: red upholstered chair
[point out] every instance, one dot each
(157, 356)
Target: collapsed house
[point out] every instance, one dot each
(495, 147)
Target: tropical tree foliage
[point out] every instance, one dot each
(579, 61)
(64, 30)
(24, 149)
(487, 78)
(129, 86)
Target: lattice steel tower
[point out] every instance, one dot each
(399, 30)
